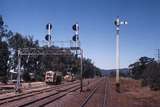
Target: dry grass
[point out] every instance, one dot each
(133, 95)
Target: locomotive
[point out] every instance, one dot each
(69, 78)
(53, 77)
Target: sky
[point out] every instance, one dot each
(141, 37)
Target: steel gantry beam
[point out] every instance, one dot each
(45, 51)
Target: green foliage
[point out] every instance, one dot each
(4, 51)
(26, 76)
(148, 71)
(90, 70)
(29, 63)
(137, 69)
(151, 76)
(97, 71)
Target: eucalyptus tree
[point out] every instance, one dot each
(28, 63)
(4, 50)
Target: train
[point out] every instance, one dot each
(53, 77)
(69, 78)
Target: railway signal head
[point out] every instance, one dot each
(75, 27)
(118, 22)
(75, 38)
(49, 26)
(48, 37)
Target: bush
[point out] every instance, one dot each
(4, 79)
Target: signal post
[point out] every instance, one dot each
(117, 23)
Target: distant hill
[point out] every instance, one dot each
(108, 71)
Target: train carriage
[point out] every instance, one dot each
(69, 78)
(53, 77)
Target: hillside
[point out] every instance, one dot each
(109, 71)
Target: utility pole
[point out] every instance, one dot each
(117, 23)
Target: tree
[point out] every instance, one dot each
(137, 69)
(148, 71)
(29, 63)
(151, 76)
(4, 50)
(89, 69)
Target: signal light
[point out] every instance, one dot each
(75, 27)
(49, 26)
(48, 37)
(75, 38)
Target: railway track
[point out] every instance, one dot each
(88, 97)
(107, 93)
(32, 86)
(44, 101)
(104, 101)
(15, 98)
(69, 100)
(50, 98)
(34, 91)
(44, 97)
(10, 87)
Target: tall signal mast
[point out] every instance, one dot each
(117, 23)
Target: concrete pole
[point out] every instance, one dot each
(49, 33)
(117, 23)
(117, 54)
